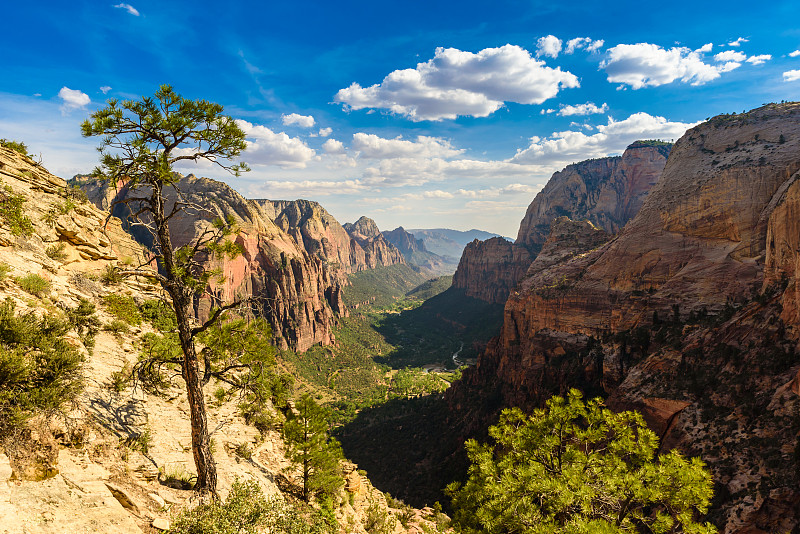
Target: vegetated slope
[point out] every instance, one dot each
(605, 191)
(117, 460)
(382, 286)
(447, 242)
(300, 294)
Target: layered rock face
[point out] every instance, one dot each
(605, 191)
(690, 315)
(297, 293)
(372, 249)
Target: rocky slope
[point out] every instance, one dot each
(605, 191)
(415, 253)
(320, 234)
(690, 314)
(114, 462)
(299, 294)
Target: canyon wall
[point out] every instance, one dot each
(605, 191)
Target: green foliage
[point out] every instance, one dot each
(412, 382)
(111, 276)
(247, 511)
(11, 212)
(34, 284)
(123, 308)
(84, 320)
(39, 370)
(56, 251)
(117, 327)
(18, 146)
(385, 284)
(577, 466)
(158, 358)
(309, 447)
(4, 270)
(159, 314)
(378, 520)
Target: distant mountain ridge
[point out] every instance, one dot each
(415, 253)
(448, 242)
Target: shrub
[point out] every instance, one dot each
(159, 314)
(247, 511)
(123, 308)
(111, 276)
(4, 270)
(56, 251)
(117, 327)
(33, 284)
(39, 370)
(11, 212)
(17, 146)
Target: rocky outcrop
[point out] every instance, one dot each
(370, 249)
(689, 314)
(489, 269)
(605, 191)
(320, 234)
(297, 293)
(404, 242)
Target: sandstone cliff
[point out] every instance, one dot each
(372, 249)
(299, 295)
(689, 315)
(605, 191)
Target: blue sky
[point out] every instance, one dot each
(421, 114)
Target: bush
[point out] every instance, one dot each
(117, 327)
(247, 511)
(56, 251)
(39, 370)
(84, 321)
(111, 276)
(11, 212)
(159, 314)
(123, 308)
(17, 146)
(33, 284)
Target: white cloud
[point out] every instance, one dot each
(706, 48)
(730, 55)
(760, 59)
(571, 146)
(72, 99)
(372, 146)
(583, 42)
(648, 65)
(332, 146)
(105, 89)
(325, 132)
(274, 188)
(129, 8)
(265, 147)
(794, 54)
(738, 41)
(549, 45)
(589, 108)
(791, 75)
(304, 121)
(457, 83)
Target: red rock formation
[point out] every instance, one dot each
(298, 293)
(605, 191)
(369, 249)
(690, 314)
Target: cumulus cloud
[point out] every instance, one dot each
(372, 146)
(549, 45)
(794, 54)
(105, 89)
(332, 146)
(274, 188)
(738, 41)
(583, 43)
(730, 55)
(129, 8)
(571, 146)
(648, 65)
(760, 59)
(304, 121)
(72, 99)
(589, 108)
(791, 75)
(325, 132)
(265, 147)
(457, 83)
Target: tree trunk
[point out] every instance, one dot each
(181, 303)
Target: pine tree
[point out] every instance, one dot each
(577, 466)
(311, 449)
